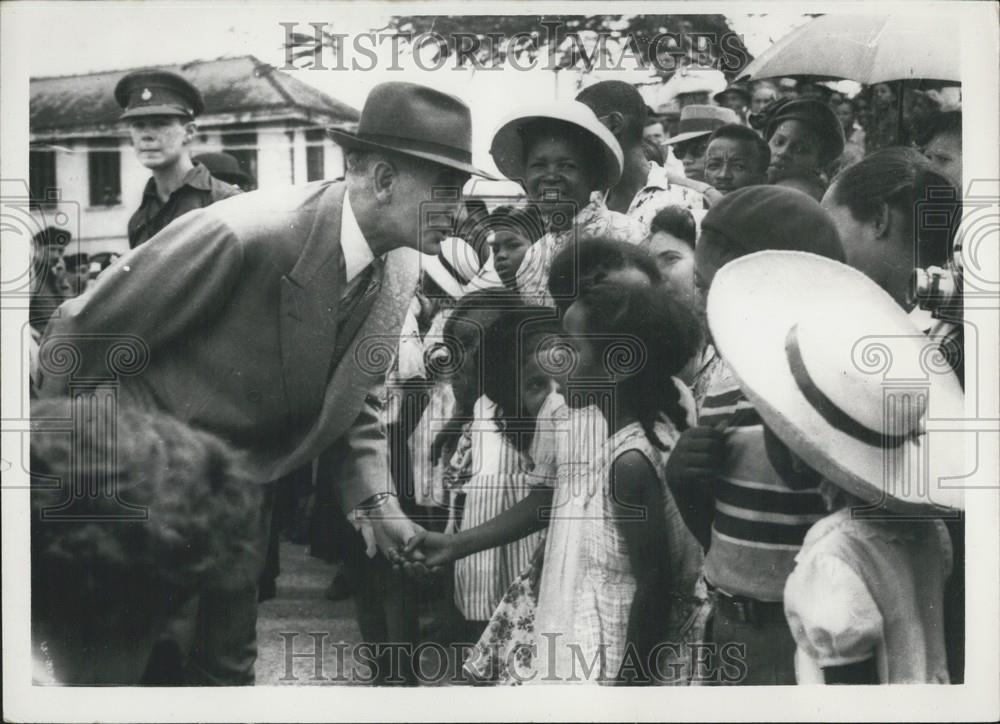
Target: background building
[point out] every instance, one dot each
(81, 158)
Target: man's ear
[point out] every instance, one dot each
(384, 177)
(614, 122)
(190, 132)
(883, 221)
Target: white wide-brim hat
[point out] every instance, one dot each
(843, 377)
(507, 147)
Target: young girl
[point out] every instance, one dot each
(634, 576)
(493, 465)
(620, 569)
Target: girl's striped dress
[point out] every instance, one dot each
(497, 477)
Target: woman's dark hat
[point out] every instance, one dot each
(416, 121)
(224, 167)
(815, 114)
(739, 89)
(158, 93)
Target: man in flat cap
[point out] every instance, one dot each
(261, 319)
(160, 108)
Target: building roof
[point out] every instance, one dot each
(237, 85)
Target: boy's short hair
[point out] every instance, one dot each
(901, 178)
(588, 262)
(608, 96)
(676, 221)
(525, 221)
(742, 133)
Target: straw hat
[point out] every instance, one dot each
(507, 147)
(842, 376)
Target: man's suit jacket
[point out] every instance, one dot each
(227, 320)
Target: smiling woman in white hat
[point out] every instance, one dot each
(566, 160)
(846, 383)
(557, 147)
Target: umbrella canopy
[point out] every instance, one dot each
(869, 49)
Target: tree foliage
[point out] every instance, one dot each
(665, 41)
(661, 42)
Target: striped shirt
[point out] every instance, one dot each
(760, 522)
(498, 477)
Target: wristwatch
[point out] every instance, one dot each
(374, 502)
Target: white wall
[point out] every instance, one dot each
(273, 160)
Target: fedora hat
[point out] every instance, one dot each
(507, 147)
(842, 376)
(698, 120)
(416, 121)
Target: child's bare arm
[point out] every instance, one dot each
(639, 507)
(521, 519)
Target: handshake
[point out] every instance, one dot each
(409, 546)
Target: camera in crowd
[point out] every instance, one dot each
(936, 282)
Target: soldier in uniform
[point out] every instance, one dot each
(160, 108)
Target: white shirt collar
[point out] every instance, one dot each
(357, 253)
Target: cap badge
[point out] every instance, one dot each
(146, 95)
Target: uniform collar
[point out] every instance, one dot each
(357, 252)
(197, 178)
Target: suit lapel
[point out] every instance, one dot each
(309, 296)
(366, 359)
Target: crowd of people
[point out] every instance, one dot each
(619, 417)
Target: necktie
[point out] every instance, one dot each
(357, 290)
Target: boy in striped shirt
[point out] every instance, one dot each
(749, 507)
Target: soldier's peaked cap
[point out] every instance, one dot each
(158, 93)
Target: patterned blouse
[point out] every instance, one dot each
(595, 221)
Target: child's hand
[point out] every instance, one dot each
(697, 459)
(437, 548)
(692, 466)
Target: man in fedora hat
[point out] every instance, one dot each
(696, 125)
(260, 319)
(160, 108)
